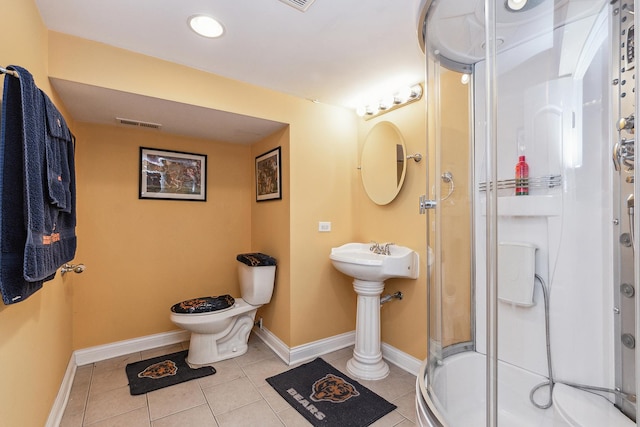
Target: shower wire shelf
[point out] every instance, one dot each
(546, 181)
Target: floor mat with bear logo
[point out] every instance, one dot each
(327, 397)
(163, 371)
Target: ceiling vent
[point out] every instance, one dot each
(301, 5)
(138, 123)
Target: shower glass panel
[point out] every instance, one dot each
(452, 222)
(450, 290)
(532, 294)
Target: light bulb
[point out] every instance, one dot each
(386, 102)
(371, 110)
(206, 26)
(403, 95)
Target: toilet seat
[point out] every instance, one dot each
(203, 305)
(240, 306)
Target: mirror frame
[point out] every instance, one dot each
(383, 163)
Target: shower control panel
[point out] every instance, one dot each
(624, 149)
(624, 88)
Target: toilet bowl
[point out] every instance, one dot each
(218, 335)
(223, 332)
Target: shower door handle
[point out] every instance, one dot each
(426, 204)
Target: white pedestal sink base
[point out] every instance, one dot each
(370, 267)
(367, 363)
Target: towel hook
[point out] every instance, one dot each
(76, 268)
(416, 157)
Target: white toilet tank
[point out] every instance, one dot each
(256, 283)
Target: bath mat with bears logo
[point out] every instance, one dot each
(163, 371)
(327, 397)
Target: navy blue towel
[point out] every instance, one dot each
(37, 189)
(59, 156)
(48, 157)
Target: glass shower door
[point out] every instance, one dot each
(450, 221)
(542, 336)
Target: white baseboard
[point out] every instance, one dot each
(305, 352)
(290, 356)
(401, 359)
(274, 343)
(57, 410)
(120, 348)
(309, 351)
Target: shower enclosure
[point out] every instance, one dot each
(533, 294)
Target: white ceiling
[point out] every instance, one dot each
(340, 52)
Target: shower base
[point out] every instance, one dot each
(459, 385)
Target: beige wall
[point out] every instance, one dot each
(35, 335)
(403, 322)
(323, 303)
(270, 234)
(321, 148)
(141, 257)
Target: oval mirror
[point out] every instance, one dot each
(383, 163)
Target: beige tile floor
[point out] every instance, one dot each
(236, 395)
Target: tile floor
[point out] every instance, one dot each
(236, 395)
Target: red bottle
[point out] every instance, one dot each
(522, 177)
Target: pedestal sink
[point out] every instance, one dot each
(369, 271)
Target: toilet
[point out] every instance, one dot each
(220, 325)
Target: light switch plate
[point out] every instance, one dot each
(324, 226)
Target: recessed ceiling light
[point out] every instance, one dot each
(206, 26)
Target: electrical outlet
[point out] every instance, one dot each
(324, 227)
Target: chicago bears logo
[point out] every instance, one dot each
(333, 389)
(159, 370)
(192, 303)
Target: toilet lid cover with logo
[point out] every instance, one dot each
(203, 304)
(256, 259)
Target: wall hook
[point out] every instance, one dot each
(416, 157)
(76, 268)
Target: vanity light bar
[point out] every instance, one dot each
(399, 99)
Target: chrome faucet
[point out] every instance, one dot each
(380, 249)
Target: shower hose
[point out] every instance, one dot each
(551, 381)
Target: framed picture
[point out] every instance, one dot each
(268, 176)
(172, 175)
